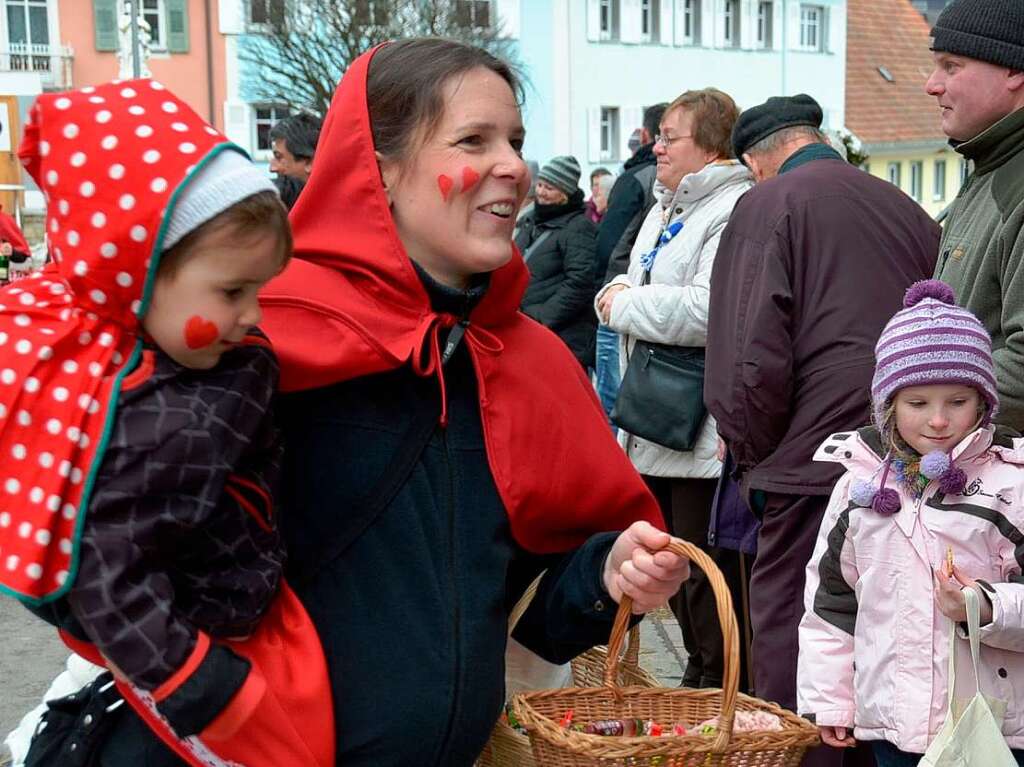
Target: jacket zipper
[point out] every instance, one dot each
(456, 608)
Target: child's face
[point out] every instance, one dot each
(208, 305)
(937, 416)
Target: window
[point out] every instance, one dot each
(609, 13)
(650, 17)
(893, 172)
(153, 13)
(609, 133)
(371, 13)
(765, 15)
(266, 12)
(811, 21)
(473, 14)
(691, 21)
(27, 22)
(731, 21)
(28, 25)
(266, 117)
(916, 177)
(939, 181)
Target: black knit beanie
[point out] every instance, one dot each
(987, 30)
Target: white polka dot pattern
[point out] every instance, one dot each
(108, 158)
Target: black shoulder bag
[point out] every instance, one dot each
(661, 398)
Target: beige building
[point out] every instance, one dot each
(887, 65)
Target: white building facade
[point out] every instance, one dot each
(593, 65)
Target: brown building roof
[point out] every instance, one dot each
(887, 64)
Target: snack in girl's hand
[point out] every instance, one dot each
(949, 561)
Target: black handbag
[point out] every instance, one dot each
(661, 398)
(74, 728)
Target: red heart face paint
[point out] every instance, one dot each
(200, 332)
(469, 178)
(445, 184)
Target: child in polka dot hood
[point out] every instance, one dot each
(140, 456)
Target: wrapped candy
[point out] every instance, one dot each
(745, 721)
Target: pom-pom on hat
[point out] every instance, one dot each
(933, 341)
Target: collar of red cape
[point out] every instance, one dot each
(350, 304)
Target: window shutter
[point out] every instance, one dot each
(830, 33)
(104, 13)
(631, 119)
(630, 24)
(593, 20)
(665, 22)
(594, 134)
(177, 25)
(237, 125)
(793, 26)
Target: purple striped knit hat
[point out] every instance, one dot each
(933, 341)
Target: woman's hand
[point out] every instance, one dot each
(604, 304)
(949, 595)
(631, 568)
(835, 736)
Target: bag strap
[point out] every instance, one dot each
(535, 244)
(410, 448)
(974, 635)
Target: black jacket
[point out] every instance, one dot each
(629, 196)
(412, 615)
(561, 290)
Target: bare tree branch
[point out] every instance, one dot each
(298, 57)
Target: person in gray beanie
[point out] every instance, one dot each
(978, 83)
(559, 244)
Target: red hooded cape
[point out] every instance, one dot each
(350, 304)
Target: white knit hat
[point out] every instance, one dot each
(225, 180)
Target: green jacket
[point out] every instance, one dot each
(982, 249)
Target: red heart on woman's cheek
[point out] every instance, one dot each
(445, 183)
(200, 332)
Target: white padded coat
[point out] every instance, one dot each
(673, 308)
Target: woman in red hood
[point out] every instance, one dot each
(442, 449)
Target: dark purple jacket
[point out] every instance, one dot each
(811, 266)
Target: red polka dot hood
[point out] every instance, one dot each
(111, 161)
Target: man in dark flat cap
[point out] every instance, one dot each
(813, 262)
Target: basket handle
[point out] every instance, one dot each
(730, 637)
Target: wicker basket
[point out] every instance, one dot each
(509, 748)
(553, 746)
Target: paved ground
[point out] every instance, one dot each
(31, 656)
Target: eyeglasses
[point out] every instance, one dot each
(667, 141)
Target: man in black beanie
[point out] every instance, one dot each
(814, 260)
(978, 82)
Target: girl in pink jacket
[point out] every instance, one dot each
(932, 502)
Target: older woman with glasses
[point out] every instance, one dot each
(663, 299)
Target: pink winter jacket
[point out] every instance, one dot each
(873, 647)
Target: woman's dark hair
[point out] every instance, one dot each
(405, 85)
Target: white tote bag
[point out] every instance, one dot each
(971, 735)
